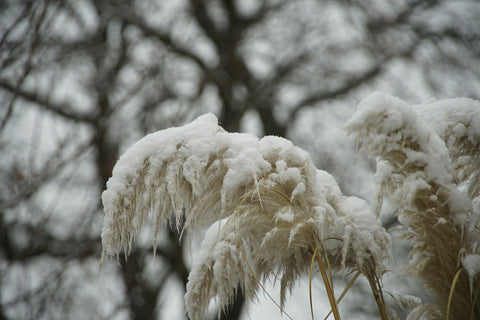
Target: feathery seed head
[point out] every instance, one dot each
(269, 209)
(429, 165)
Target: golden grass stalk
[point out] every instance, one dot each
(452, 289)
(377, 292)
(344, 292)
(327, 281)
(310, 277)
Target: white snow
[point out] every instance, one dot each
(471, 263)
(162, 144)
(285, 216)
(452, 114)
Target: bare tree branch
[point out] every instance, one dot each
(51, 106)
(347, 86)
(166, 39)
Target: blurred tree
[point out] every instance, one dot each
(82, 80)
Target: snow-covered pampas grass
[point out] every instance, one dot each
(270, 212)
(428, 163)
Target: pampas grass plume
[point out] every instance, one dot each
(266, 207)
(428, 164)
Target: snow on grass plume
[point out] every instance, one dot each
(277, 211)
(428, 163)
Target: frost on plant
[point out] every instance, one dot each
(429, 166)
(267, 207)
